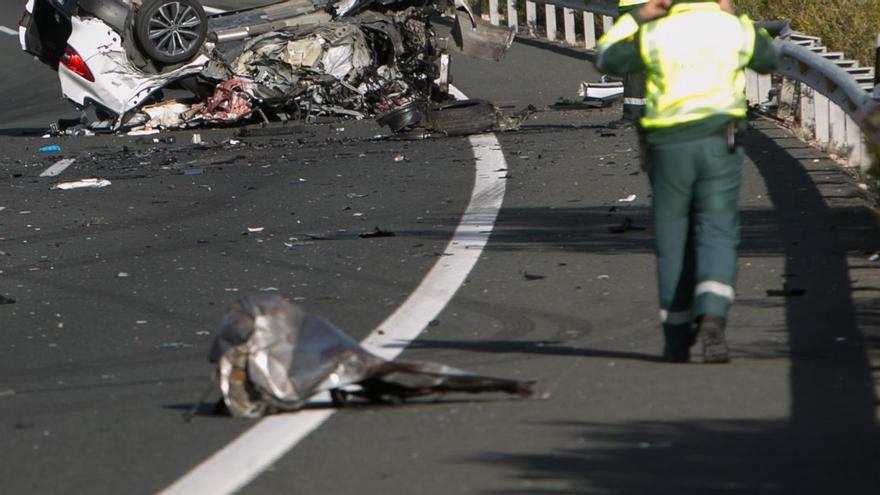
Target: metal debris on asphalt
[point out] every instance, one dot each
(271, 356)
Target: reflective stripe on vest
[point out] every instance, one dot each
(695, 58)
(629, 3)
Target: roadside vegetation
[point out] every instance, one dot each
(849, 26)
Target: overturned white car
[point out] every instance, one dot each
(290, 58)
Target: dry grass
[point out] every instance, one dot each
(850, 26)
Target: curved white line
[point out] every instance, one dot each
(242, 460)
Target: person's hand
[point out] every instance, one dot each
(654, 9)
(727, 6)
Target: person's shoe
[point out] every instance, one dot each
(711, 330)
(678, 346)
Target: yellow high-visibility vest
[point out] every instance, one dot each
(694, 60)
(629, 3)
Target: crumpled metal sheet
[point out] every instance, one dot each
(233, 100)
(358, 65)
(271, 356)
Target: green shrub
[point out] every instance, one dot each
(849, 26)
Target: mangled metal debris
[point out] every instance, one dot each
(271, 356)
(292, 59)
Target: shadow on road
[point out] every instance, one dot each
(830, 443)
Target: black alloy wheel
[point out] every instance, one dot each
(171, 31)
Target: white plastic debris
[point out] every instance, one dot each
(197, 139)
(628, 199)
(874, 257)
(81, 184)
(255, 230)
(143, 132)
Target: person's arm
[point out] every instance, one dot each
(619, 52)
(765, 56)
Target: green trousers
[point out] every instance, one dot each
(695, 187)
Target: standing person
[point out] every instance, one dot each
(633, 82)
(693, 53)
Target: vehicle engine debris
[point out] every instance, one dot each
(271, 356)
(272, 59)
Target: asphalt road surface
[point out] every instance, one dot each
(117, 293)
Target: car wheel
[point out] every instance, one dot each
(171, 31)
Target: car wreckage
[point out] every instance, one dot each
(293, 59)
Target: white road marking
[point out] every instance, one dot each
(252, 452)
(58, 167)
(10, 32)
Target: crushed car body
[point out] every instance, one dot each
(292, 59)
(270, 356)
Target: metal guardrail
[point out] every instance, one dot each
(827, 95)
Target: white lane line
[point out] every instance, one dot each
(10, 32)
(58, 167)
(242, 460)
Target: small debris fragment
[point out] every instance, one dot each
(622, 228)
(603, 277)
(122, 275)
(874, 257)
(255, 230)
(785, 292)
(81, 184)
(143, 132)
(54, 148)
(6, 300)
(197, 138)
(194, 171)
(628, 199)
(399, 157)
(533, 276)
(377, 232)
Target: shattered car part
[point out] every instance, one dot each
(233, 100)
(271, 356)
(370, 57)
(475, 37)
(601, 91)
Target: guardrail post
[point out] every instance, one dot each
(854, 141)
(550, 14)
(532, 18)
(837, 131)
(752, 97)
(765, 84)
(512, 19)
(607, 22)
(568, 19)
(494, 18)
(589, 30)
(807, 112)
(823, 119)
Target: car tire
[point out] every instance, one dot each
(170, 31)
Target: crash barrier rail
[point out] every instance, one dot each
(824, 94)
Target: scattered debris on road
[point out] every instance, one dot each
(81, 184)
(628, 199)
(271, 357)
(874, 257)
(54, 148)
